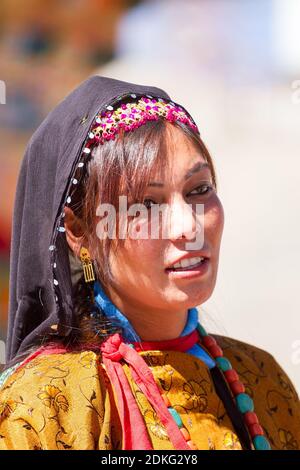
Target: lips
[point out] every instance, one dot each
(187, 268)
(188, 256)
(199, 270)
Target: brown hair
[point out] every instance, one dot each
(123, 167)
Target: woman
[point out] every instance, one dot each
(104, 348)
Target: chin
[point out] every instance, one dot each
(185, 300)
(196, 300)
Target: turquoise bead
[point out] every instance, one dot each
(223, 363)
(261, 443)
(244, 403)
(201, 330)
(176, 417)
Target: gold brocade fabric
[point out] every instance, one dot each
(65, 401)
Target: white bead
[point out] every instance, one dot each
(80, 165)
(75, 181)
(98, 120)
(68, 200)
(54, 265)
(55, 282)
(110, 108)
(61, 229)
(133, 95)
(91, 135)
(51, 247)
(87, 150)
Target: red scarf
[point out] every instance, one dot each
(133, 425)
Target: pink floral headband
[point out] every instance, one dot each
(131, 115)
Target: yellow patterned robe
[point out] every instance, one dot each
(65, 401)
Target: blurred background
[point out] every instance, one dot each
(235, 65)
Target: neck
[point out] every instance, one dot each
(158, 326)
(153, 324)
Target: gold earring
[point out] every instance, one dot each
(87, 265)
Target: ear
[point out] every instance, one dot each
(74, 230)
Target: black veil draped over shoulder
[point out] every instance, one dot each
(35, 302)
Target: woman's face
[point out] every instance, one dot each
(139, 268)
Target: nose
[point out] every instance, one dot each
(182, 220)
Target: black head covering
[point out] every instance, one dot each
(40, 278)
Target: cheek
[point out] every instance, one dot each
(142, 255)
(214, 220)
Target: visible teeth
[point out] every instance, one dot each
(184, 263)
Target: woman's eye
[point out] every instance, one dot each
(199, 191)
(207, 189)
(147, 204)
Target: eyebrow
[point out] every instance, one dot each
(195, 169)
